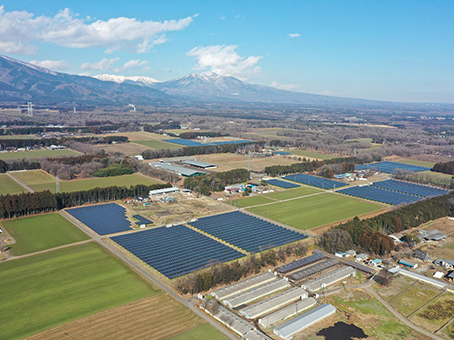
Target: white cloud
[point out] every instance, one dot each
(19, 29)
(102, 65)
(287, 87)
(132, 64)
(223, 60)
(294, 35)
(58, 65)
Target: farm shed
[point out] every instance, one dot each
(312, 270)
(421, 255)
(289, 267)
(422, 278)
(201, 165)
(163, 191)
(450, 276)
(362, 268)
(242, 286)
(288, 329)
(434, 235)
(361, 257)
(349, 253)
(408, 263)
(272, 303)
(179, 170)
(444, 263)
(255, 293)
(284, 313)
(329, 279)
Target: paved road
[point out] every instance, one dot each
(147, 275)
(19, 182)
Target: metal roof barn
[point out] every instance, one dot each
(284, 313)
(362, 268)
(289, 267)
(423, 278)
(312, 270)
(329, 279)
(274, 302)
(202, 165)
(179, 170)
(255, 334)
(242, 286)
(255, 293)
(163, 191)
(288, 329)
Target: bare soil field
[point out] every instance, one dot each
(157, 317)
(139, 136)
(129, 149)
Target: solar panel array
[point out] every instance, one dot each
(142, 220)
(102, 218)
(289, 267)
(281, 153)
(380, 195)
(389, 167)
(189, 142)
(177, 250)
(315, 181)
(246, 232)
(312, 270)
(282, 184)
(410, 188)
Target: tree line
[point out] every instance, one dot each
(44, 201)
(33, 130)
(195, 134)
(207, 183)
(446, 167)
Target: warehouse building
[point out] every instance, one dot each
(242, 286)
(201, 165)
(255, 293)
(285, 313)
(329, 279)
(163, 191)
(176, 169)
(312, 270)
(272, 303)
(288, 329)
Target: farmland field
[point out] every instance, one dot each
(139, 135)
(415, 297)
(292, 193)
(37, 154)
(39, 180)
(157, 144)
(436, 314)
(250, 201)
(313, 211)
(45, 290)
(414, 162)
(312, 154)
(130, 149)
(41, 232)
(9, 186)
(157, 317)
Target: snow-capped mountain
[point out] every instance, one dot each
(145, 81)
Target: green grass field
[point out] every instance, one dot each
(202, 332)
(45, 290)
(157, 144)
(41, 232)
(39, 180)
(37, 154)
(9, 186)
(305, 153)
(313, 211)
(250, 201)
(415, 162)
(292, 193)
(414, 298)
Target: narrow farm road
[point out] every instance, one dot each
(19, 182)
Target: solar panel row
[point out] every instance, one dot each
(380, 195)
(188, 142)
(389, 167)
(312, 270)
(410, 188)
(282, 184)
(246, 232)
(289, 267)
(102, 218)
(315, 181)
(142, 220)
(176, 251)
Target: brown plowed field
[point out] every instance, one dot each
(157, 317)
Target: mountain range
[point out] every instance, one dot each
(21, 82)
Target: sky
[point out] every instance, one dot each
(385, 50)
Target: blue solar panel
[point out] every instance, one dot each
(389, 167)
(315, 181)
(282, 184)
(410, 188)
(142, 220)
(281, 153)
(188, 142)
(380, 195)
(102, 218)
(246, 232)
(177, 250)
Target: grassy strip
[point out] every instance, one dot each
(37, 154)
(156, 144)
(293, 193)
(250, 201)
(305, 153)
(201, 332)
(9, 186)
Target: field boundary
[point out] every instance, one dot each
(20, 182)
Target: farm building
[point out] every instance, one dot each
(450, 276)
(312, 270)
(255, 293)
(362, 268)
(376, 262)
(201, 165)
(350, 253)
(361, 257)
(272, 303)
(163, 191)
(433, 235)
(340, 254)
(235, 188)
(242, 286)
(421, 255)
(288, 329)
(422, 278)
(289, 267)
(179, 170)
(444, 263)
(284, 313)
(408, 263)
(255, 334)
(329, 279)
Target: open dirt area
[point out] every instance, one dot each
(157, 317)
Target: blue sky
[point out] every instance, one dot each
(386, 50)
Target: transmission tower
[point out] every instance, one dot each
(30, 109)
(249, 164)
(57, 189)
